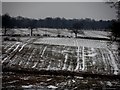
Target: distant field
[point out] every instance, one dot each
(65, 32)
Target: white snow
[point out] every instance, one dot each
(16, 48)
(7, 46)
(103, 58)
(99, 34)
(113, 62)
(83, 59)
(81, 44)
(79, 77)
(30, 57)
(109, 83)
(72, 42)
(35, 65)
(48, 67)
(11, 47)
(43, 51)
(52, 87)
(49, 79)
(20, 62)
(78, 58)
(22, 47)
(91, 55)
(64, 66)
(25, 86)
(70, 67)
(73, 81)
(5, 59)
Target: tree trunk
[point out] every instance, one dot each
(31, 32)
(75, 35)
(5, 30)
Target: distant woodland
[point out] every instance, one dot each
(49, 22)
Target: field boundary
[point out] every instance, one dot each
(61, 73)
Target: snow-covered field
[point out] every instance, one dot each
(99, 34)
(66, 54)
(73, 42)
(64, 32)
(61, 54)
(41, 31)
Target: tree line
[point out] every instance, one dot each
(9, 22)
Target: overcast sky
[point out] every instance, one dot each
(69, 10)
(58, 0)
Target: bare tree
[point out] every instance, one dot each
(115, 35)
(5, 22)
(76, 27)
(32, 25)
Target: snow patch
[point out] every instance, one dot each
(64, 66)
(29, 86)
(52, 87)
(43, 51)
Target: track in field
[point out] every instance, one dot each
(59, 57)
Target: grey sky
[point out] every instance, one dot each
(0, 7)
(54, 0)
(58, 0)
(94, 10)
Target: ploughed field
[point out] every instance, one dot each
(50, 56)
(58, 54)
(15, 81)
